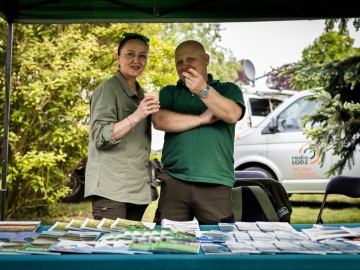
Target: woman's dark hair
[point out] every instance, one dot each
(129, 36)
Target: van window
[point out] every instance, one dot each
(275, 103)
(259, 107)
(290, 119)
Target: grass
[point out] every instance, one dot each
(339, 209)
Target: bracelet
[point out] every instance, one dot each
(131, 124)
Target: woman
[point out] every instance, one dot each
(118, 175)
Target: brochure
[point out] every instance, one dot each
(75, 224)
(91, 225)
(59, 227)
(118, 247)
(142, 246)
(213, 236)
(268, 226)
(241, 236)
(47, 238)
(30, 249)
(168, 233)
(18, 237)
(11, 248)
(181, 226)
(80, 236)
(176, 246)
(71, 247)
(244, 247)
(246, 226)
(227, 227)
(320, 232)
(19, 226)
(123, 224)
(105, 225)
(215, 248)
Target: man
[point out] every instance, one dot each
(198, 115)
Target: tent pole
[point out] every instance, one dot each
(5, 148)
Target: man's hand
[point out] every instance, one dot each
(194, 81)
(207, 117)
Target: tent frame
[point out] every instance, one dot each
(151, 11)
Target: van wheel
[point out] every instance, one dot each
(269, 174)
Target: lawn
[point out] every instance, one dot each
(339, 209)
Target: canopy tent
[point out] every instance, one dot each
(81, 11)
(100, 11)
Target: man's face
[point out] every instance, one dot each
(190, 57)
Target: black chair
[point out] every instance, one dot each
(274, 190)
(250, 174)
(251, 203)
(341, 185)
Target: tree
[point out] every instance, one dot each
(331, 67)
(55, 70)
(277, 80)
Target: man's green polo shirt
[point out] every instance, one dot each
(205, 153)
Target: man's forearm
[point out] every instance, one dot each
(169, 121)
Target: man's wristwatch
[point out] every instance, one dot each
(203, 93)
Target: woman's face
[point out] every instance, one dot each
(133, 58)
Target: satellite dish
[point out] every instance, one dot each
(249, 70)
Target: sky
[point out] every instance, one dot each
(272, 44)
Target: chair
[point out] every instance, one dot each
(251, 203)
(275, 193)
(342, 185)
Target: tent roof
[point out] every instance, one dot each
(93, 11)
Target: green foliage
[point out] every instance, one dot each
(330, 24)
(331, 66)
(55, 70)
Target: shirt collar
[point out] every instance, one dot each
(126, 87)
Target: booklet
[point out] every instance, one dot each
(213, 236)
(47, 238)
(80, 236)
(19, 226)
(75, 224)
(352, 230)
(241, 236)
(320, 232)
(168, 233)
(176, 246)
(215, 248)
(294, 247)
(143, 246)
(59, 227)
(227, 227)
(30, 249)
(123, 224)
(189, 227)
(118, 247)
(91, 225)
(18, 237)
(105, 225)
(246, 226)
(11, 248)
(268, 226)
(71, 247)
(244, 247)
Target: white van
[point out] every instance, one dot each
(278, 147)
(259, 103)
